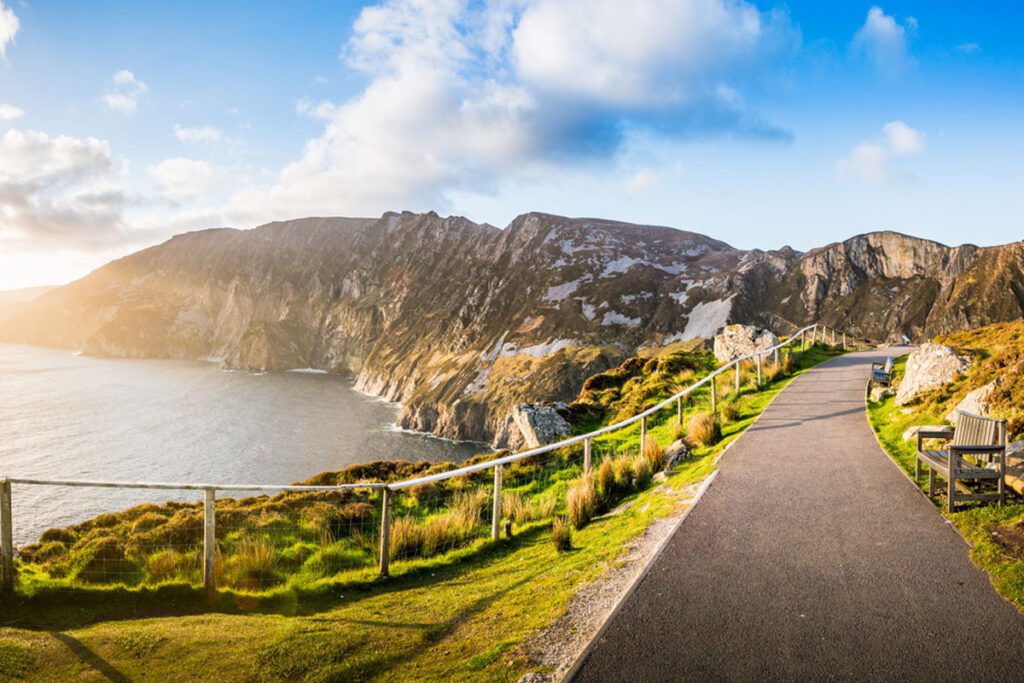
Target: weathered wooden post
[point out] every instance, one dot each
(588, 447)
(679, 412)
(833, 336)
(496, 514)
(6, 538)
(210, 542)
(643, 431)
(776, 354)
(803, 339)
(385, 532)
(844, 341)
(738, 378)
(759, 370)
(714, 393)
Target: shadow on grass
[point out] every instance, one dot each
(57, 609)
(87, 656)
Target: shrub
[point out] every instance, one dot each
(703, 429)
(561, 533)
(653, 453)
(103, 560)
(604, 480)
(729, 411)
(64, 536)
(423, 494)
(581, 501)
(147, 521)
(43, 552)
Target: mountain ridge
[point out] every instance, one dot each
(461, 321)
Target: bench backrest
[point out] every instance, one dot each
(888, 365)
(974, 430)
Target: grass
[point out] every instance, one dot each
(461, 614)
(996, 535)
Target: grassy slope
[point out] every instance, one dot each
(987, 528)
(459, 616)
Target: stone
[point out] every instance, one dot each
(975, 403)
(879, 393)
(540, 424)
(930, 366)
(736, 341)
(675, 453)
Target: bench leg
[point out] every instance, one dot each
(931, 482)
(951, 504)
(917, 471)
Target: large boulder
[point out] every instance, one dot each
(975, 403)
(735, 341)
(929, 367)
(539, 424)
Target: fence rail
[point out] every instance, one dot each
(802, 338)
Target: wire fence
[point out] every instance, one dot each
(260, 537)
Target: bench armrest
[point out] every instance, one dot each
(978, 449)
(935, 434)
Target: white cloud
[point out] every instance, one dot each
(124, 96)
(641, 181)
(463, 93)
(182, 178)
(875, 160)
(968, 48)
(8, 28)
(884, 41)
(8, 112)
(198, 133)
(58, 190)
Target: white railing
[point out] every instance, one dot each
(388, 488)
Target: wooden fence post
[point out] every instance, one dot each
(679, 412)
(714, 393)
(759, 370)
(643, 431)
(6, 538)
(737, 378)
(803, 339)
(496, 513)
(844, 341)
(587, 456)
(776, 357)
(385, 532)
(210, 541)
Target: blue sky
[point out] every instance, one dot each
(758, 123)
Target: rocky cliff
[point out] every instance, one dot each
(463, 321)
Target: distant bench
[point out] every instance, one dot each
(881, 374)
(977, 452)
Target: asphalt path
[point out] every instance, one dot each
(812, 557)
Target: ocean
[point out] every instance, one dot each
(66, 416)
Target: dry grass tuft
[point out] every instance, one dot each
(581, 500)
(653, 453)
(729, 411)
(561, 534)
(703, 429)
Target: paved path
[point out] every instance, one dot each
(812, 557)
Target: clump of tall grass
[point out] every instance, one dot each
(252, 564)
(522, 509)
(561, 534)
(623, 469)
(604, 480)
(581, 500)
(653, 453)
(454, 527)
(729, 411)
(642, 468)
(703, 429)
(162, 565)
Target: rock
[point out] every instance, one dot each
(540, 424)
(676, 452)
(735, 341)
(929, 367)
(976, 402)
(1015, 449)
(879, 392)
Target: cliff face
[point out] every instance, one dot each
(462, 321)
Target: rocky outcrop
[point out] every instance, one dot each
(737, 341)
(929, 366)
(539, 425)
(975, 402)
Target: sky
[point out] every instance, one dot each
(759, 123)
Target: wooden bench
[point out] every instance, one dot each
(976, 452)
(881, 373)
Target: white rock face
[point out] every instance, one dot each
(540, 424)
(734, 341)
(929, 367)
(975, 403)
